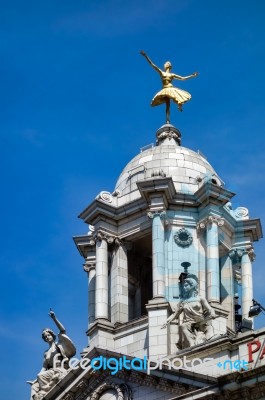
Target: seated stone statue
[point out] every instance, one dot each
(196, 326)
(55, 363)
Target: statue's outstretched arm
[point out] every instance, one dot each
(57, 323)
(150, 61)
(184, 78)
(174, 315)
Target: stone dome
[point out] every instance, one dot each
(188, 169)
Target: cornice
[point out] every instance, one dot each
(214, 194)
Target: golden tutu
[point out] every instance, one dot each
(177, 95)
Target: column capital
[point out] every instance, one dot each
(124, 243)
(237, 253)
(161, 213)
(102, 235)
(250, 252)
(89, 266)
(209, 220)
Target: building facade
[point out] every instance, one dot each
(169, 267)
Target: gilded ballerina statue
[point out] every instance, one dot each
(169, 92)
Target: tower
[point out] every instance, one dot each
(169, 207)
(166, 256)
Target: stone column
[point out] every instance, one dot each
(247, 282)
(119, 283)
(211, 224)
(158, 254)
(101, 309)
(89, 267)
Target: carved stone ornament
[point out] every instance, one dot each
(91, 241)
(241, 213)
(236, 254)
(123, 391)
(89, 265)
(116, 193)
(158, 172)
(210, 220)
(101, 235)
(105, 196)
(196, 326)
(50, 374)
(168, 132)
(91, 228)
(183, 238)
(152, 214)
(251, 254)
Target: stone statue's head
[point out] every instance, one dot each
(167, 65)
(190, 287)
(46, 334)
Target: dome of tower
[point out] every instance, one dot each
(187, 168)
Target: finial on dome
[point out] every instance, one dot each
(168, 134)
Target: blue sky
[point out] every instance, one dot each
(74, 100)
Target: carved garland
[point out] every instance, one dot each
(183, 238)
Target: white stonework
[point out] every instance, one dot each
(169, 219)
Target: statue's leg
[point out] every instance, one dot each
(209, 331)
(167, 110)
(187, 334)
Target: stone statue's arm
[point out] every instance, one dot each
(174, 315)
(150, 62)
(57, 323)
(206, 306)
(183, 78)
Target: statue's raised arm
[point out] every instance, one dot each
(151, 62)
(57, 323)
(55, 361)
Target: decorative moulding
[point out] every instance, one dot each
(183, 238)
